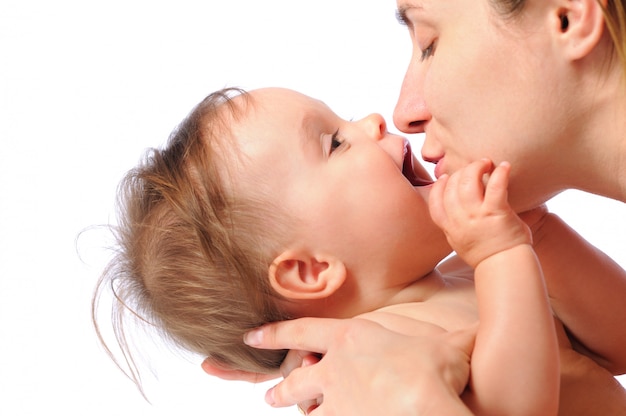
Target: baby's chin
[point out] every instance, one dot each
(424, 190)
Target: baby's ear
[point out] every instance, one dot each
(298, 274)
(224, 372)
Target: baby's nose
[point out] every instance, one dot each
(375, 125)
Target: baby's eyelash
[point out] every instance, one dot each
(335, 142)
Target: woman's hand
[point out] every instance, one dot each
(367, 369)
(220, 370)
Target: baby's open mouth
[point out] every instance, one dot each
(408, 169)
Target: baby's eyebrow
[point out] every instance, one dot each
(307, 130)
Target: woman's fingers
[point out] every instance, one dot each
(296, 359)
(303, 387)
(224, 372)
(305, 334)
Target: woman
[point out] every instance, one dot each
(539, 83)
(533, 80)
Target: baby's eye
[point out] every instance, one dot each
(335, 142)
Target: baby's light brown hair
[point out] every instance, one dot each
(192, 256)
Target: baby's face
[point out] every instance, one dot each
(357, 190)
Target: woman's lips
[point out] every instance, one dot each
(439, 169)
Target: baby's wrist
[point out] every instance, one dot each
(513, 250)
(476, 259)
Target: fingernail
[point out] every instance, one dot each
(253, 338)
(269, 397)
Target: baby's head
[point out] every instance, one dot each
(193, 256)
(266, 206)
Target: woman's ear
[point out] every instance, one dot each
(580, 24)
(298, 274)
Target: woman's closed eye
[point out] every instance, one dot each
(428, 52)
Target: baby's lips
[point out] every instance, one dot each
(416, 178)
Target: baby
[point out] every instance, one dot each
(267, 206)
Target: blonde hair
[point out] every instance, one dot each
(615, 18)
(192, 257)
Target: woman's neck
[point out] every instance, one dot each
(610, 141)
(601, 160)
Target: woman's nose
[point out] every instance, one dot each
(375, 125)
(411, 114)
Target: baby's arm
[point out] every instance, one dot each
(587, 291)
(514, 367)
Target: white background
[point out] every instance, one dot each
(85, 87)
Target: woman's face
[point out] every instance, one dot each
(479, 85)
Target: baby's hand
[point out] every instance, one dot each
(475, 217)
